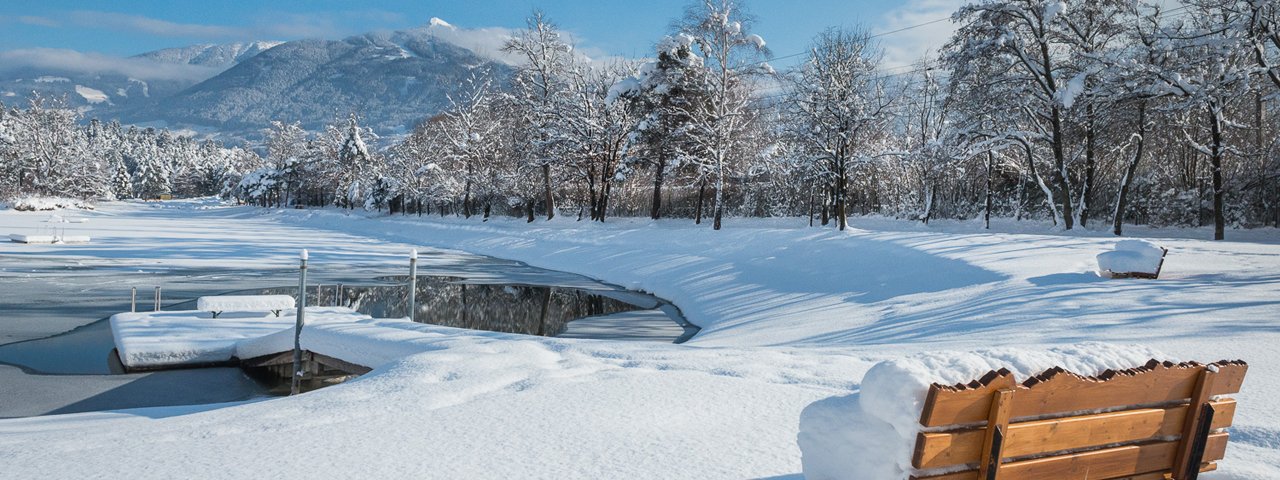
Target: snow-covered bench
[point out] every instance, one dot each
(245, 303)
(1133, 259)
(1161, 420)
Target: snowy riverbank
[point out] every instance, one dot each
(790, 315)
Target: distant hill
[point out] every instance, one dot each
(392, 80)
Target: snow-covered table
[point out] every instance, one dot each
(245, 303)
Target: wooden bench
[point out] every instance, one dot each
(245, 303)
(1158, 421)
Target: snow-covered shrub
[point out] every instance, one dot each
(43, 204)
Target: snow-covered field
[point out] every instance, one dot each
(791, 316)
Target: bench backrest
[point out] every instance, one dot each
(1157, 421)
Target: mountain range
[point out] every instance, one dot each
(392, 80)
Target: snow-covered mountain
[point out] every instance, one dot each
(211, 55)
(103, 86)
(392, 80)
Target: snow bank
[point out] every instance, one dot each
(1131, 256)
(34, 204)
(873, 432)
(245, 303)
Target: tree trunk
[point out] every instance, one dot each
(1086, 190)
(1215, 128)
(466, 199)
(1048, 192)
(841, 217)
(528, 207)
(655, 211)
(826, 204)
(702, 188)
(986, 209)
(546, 185)
(719, 201)
(811, 189)
(1117, 218)
(592, 199)
(1061, 194)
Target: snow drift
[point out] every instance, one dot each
(870, 434)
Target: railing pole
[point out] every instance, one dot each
(157, 298)
(297, 326)
(133, 299)
(413, 282)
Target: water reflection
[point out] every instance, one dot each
(453, 302)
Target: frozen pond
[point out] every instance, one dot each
(56, 348)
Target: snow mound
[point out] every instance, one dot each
(873, 432)
(1131, 256)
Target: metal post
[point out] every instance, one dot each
(157, 298)
(133, 299)
(413, 282)
(297, 326)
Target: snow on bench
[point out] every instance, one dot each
(153, 340)
(1132, 258)
(245, 303)
(873, 433)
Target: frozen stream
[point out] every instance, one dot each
(54, 345)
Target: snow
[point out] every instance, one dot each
(1074, 87)
(245, 303)
(859, 432)
(48, 238)
(91, 95)
(437, 22)
(167, 339)
(1131, 256)
(756, 40)
(794, 320)
(1053, 9)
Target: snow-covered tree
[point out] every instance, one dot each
(840, 109)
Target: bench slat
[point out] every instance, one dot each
(1121, 462)
(937, 450)
(1058, 391)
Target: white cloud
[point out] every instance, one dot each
(37, 21)
(486, 42)
(911, 46)
(61, 60)
(281, 25)
(152, 26)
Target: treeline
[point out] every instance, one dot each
(45, 150)
(1106, 111)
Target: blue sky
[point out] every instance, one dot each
(625, 28)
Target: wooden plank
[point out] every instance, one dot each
(269, 360)
(1199, 399)
(1057, 391)
(340, 364)
(942, 449)
(964, 401)
(994, 435)
(1111, 463)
